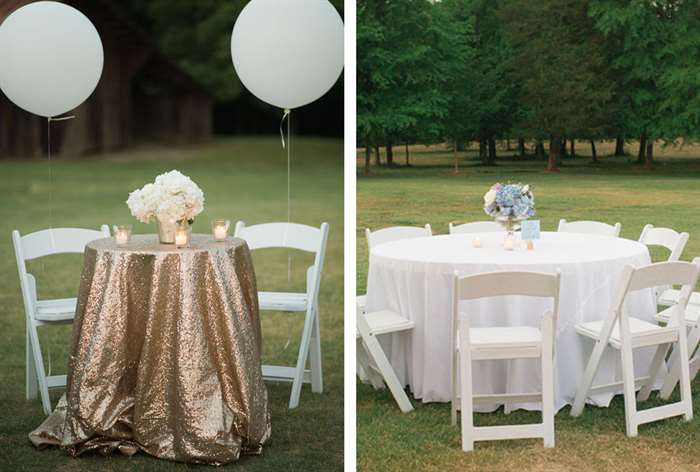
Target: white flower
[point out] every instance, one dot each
(172, 197)
(490, 198)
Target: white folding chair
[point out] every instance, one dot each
(692, 321)
(308, 239)
(494, 343)
(589, 227)
(371, 358)
(623, 332)
(476, 227)
(387, 235)
(46, 312)
(674, 242)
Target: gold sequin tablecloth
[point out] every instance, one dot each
(166, 354)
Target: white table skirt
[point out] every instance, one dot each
(414, 278)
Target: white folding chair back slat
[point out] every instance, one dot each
(625, 333)
(372, 363)
(504, 343)
(476, 227)
(46, 312)
(280, 235)
(395, 233)
(308, 239)
(590, 227)
(387, 235)
(673, 241)
(665, 237)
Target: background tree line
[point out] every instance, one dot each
(546, 72)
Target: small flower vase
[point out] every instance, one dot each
(166, 232)
(510, 225)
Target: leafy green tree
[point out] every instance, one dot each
(559, 64)
(653, 49)
(401, 72)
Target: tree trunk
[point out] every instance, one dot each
(620, 146)
(389, 155)
(642, 148)
(408, 162)
(492, 152)
(594, 153)
(539, 150)
(562, 152)
(521, 147)
(377, 157)
(554, 154)
(649, 160)
(482, 151)
(573, 148)
(368, 154)
(508, 148)
(454, 152)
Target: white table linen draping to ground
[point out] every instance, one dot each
(413, 277)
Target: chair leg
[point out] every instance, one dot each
(674, 372)
(629, 391)
(360, 364)
(467, 397)
(588, 376)
(684, 362)
(548, 384)
(392, 381)
(656, 364)
(39, 366)
(301, 360)
(455, 370)
(316, 370)
(365, 361)
(32, 382)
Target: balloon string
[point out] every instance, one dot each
(288, 116)
(48, 152)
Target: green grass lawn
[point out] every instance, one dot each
(242, 178)
(611, 191)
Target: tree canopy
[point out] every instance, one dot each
(550, 70)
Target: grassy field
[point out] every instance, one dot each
(611, 191)
(243, 178)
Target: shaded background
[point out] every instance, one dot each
(168, 78)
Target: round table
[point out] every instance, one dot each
(413, 277)
(166, 354)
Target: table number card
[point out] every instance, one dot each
(530, 230)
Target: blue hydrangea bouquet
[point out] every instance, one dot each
(510, 204)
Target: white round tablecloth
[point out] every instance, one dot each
(413, 277)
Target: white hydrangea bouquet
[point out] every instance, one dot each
(509, 204)
(172, 199)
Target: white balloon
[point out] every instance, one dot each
(288, 52)
(51, 58)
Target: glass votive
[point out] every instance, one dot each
(182, 235)
(219, 229)
(122, 234)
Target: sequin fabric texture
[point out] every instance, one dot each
(166, 354)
